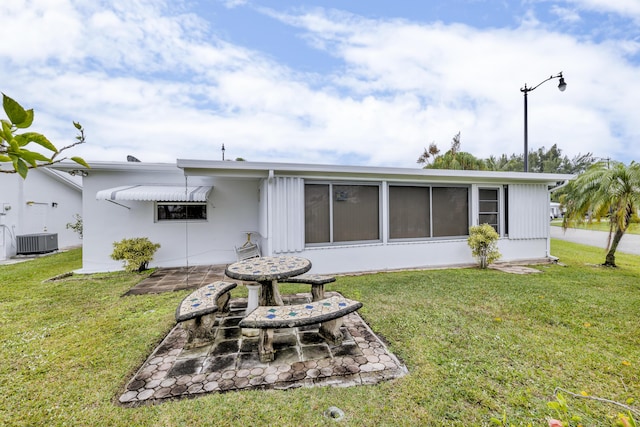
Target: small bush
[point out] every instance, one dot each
(136, 253)
(483, 241)
(77, 225)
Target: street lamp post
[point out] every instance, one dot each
(562, 85)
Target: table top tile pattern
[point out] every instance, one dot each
(288, 316)
(314, 279)
(268, 268)
(202, 301)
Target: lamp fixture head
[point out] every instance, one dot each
(562, 85)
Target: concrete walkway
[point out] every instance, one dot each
(629, 244)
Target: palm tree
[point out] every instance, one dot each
(604, 190)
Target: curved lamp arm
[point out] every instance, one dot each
(562, 85)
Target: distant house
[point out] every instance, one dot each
(556, 210)
(42, 204)
(342, 218)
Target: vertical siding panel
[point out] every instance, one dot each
(288, 199)
(528, 211)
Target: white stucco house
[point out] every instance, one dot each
(37, 210)
(343, 218)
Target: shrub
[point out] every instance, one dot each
(483, 241)
(76, 226)
(136, 253)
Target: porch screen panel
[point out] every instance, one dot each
(288, 217)
(528, 211)
(408, 212)
(356, 213)
(450, 211)
(316, 213)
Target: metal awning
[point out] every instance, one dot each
(168, 193)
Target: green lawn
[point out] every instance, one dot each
(477, 344)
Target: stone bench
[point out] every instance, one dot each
(197, 311)
(328, 312)
(317, 282)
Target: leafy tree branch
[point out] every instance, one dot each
(13, 145)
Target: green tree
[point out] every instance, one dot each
(13, 145)
(605, 190)
(542, 161)
(452, 159)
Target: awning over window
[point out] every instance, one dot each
(168, 193)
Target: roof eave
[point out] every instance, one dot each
(261, 169)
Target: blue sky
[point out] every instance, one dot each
(335, 82)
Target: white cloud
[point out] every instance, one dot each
(148, 81)
(630, 8)
(234, 3)
(565, 14)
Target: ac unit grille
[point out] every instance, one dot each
(37, 243)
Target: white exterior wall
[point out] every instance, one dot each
(249, 197)
(41, 203)
(528, 211)
(288, 215)
(232, 209)
(428, 254)
(528, 237)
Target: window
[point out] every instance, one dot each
(341, 213)
(423, 212)
(337, 213)
(173, 211)
(409, 209)
(450, 214)
(488, 203)
(317, 215)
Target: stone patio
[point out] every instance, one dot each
(178, 279)
(231, 361)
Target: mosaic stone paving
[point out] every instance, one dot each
(231, 361)
(202, 300)
(268, 268)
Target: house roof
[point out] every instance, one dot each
(74, 182)
(264, 170)
(244, 169)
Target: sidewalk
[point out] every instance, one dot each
(629, 244)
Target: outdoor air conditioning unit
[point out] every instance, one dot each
(37, 243)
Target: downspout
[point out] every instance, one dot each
(270, 212)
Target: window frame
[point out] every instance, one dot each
(469, 189)
(330, 186)
(430, 207)
(430, 187)
(499, 207)
(159, 203)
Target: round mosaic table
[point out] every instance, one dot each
(267, 271)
